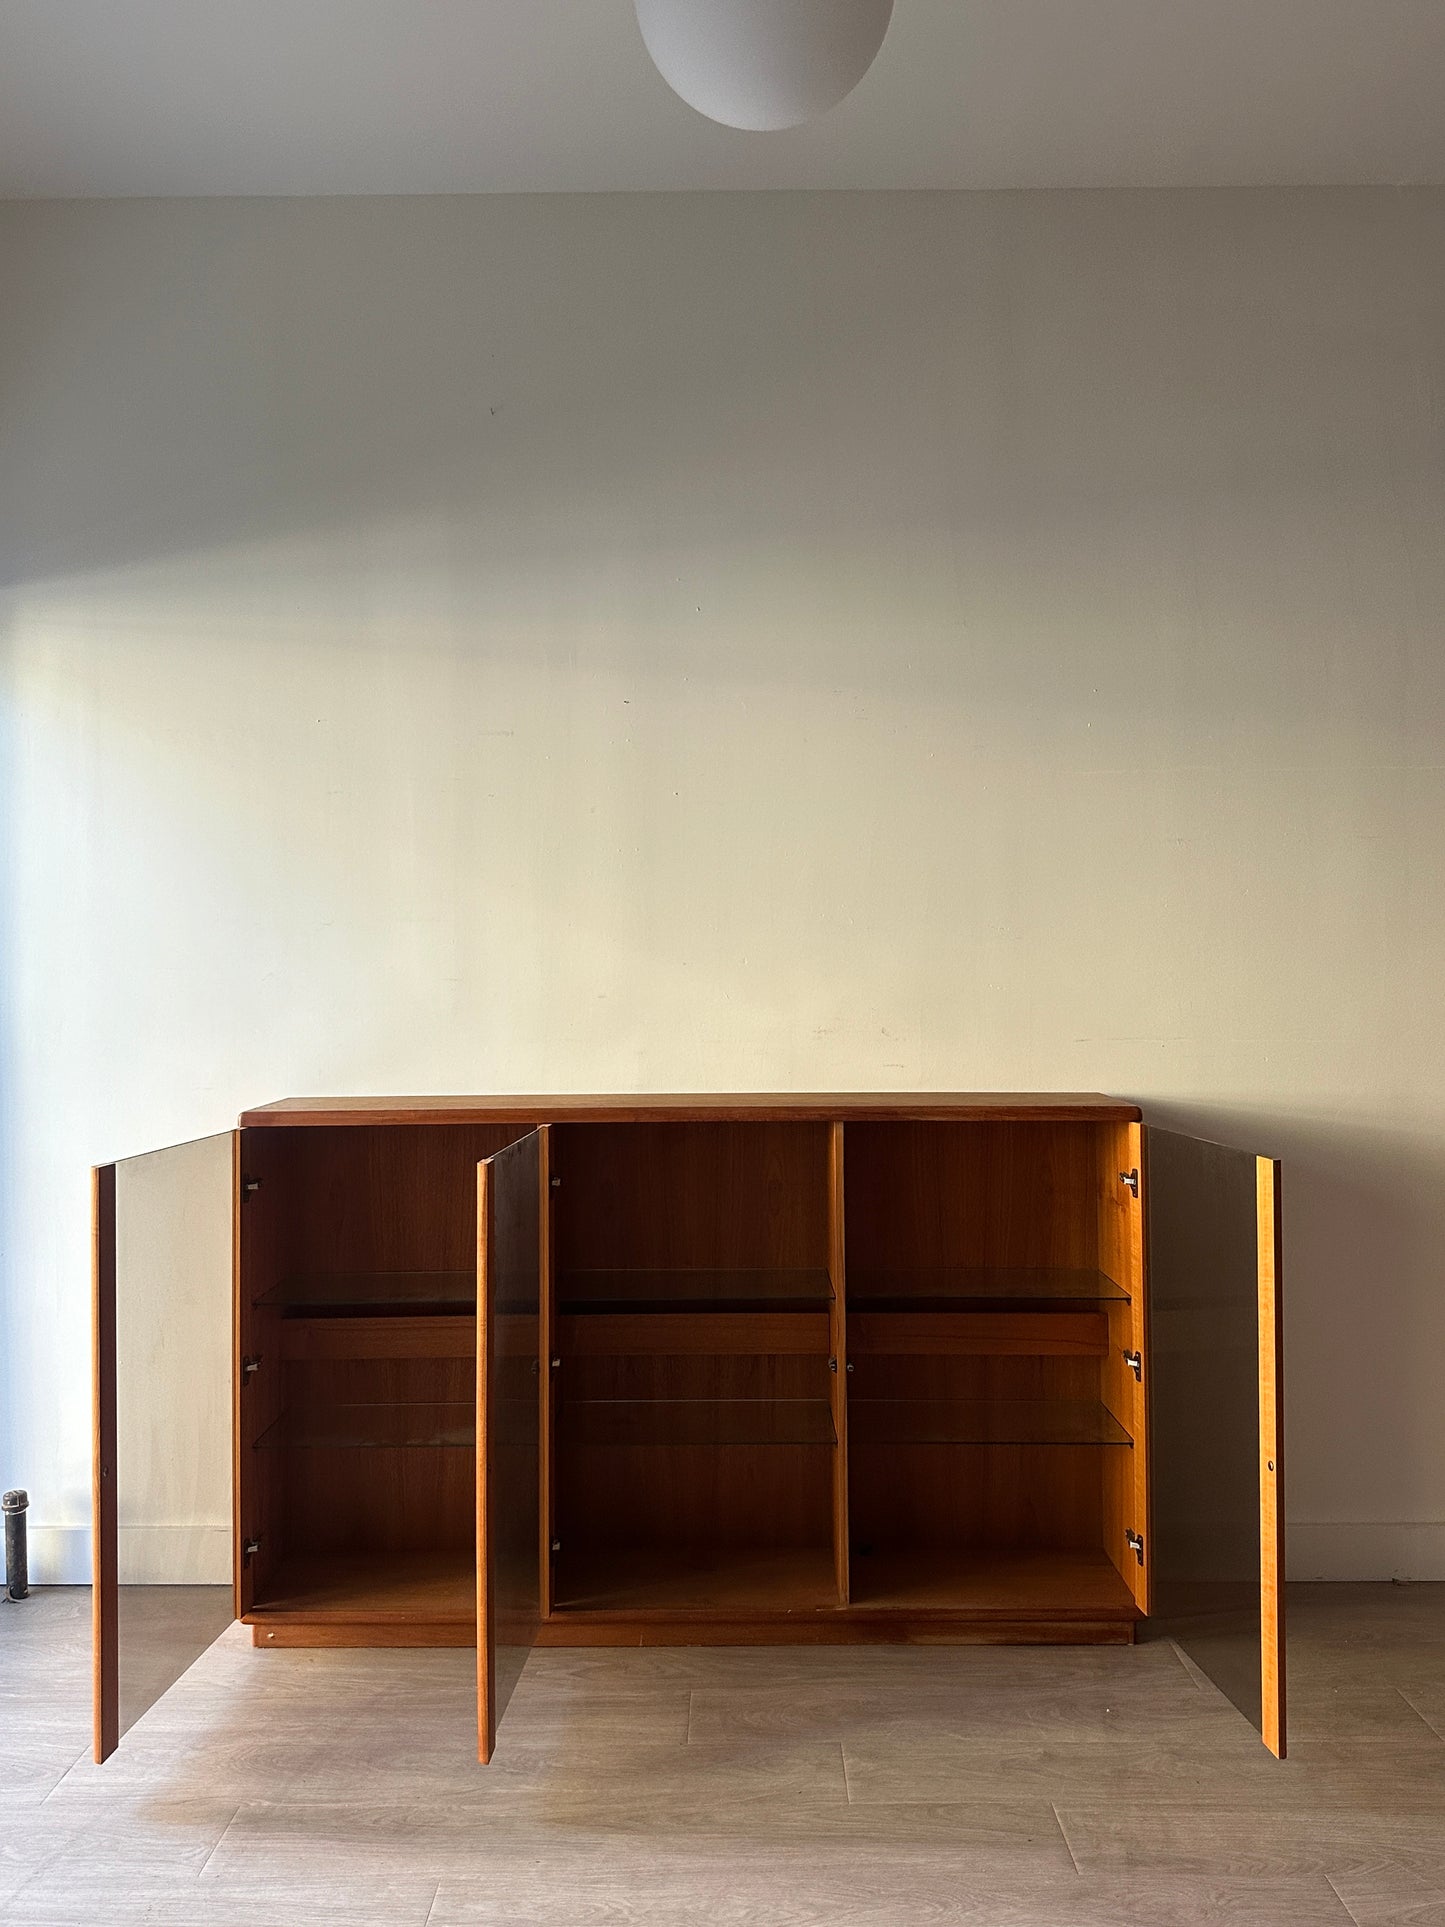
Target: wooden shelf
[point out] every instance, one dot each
(688, 1290)
(643, 1580)
(966, 1332)
(376, 1294)
(973, 1288)
(958, 1421)
(1052, 1585)
(684, 1334)
(669, 1422)
(375, 1426)
(374, 1586)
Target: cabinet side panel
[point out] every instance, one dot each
(1125, 1393)
(546, 1352)
(838, 1350)
(486, 1647)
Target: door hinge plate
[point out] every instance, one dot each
(1135, 1362)
(1130, 1181)
(1135, 1543)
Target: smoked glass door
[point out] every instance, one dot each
(164, 1257)
(511, 1201)
(1214, 1390)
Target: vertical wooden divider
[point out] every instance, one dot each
(104, 1577)
(546, 1341)
(486, 1649)
(838, 1350)
(1271, 1458)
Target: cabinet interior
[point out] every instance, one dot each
(357, 1300)
(993, 1437)
(978, 1449)
(694, 1434)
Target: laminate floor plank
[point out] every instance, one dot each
(1247, 1842)
(916, 1708)
(1161, 1773)
(337, 1900)
(1392, 1898)
(816, 1668)
(787, 1787)
(879, 1897)
(622, 1845)
(669, 1778)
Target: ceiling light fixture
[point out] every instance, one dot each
(763, 64)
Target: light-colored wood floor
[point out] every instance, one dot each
(720, 1788)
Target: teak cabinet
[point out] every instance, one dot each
(578, 1371)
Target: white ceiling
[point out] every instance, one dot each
(421, 96)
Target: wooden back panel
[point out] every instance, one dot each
(1007, 1195)
(718, 1196)
(380, 1198)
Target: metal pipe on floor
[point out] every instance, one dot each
(17, 1575)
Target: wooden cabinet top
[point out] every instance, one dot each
(796, 1107)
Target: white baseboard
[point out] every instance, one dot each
(56, 1555)
(152, 1555)
(1364, 1549)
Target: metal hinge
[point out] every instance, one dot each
(249, 1188)
(249, 1551)
(556, 1545)
(1135, 1543)
(250, 1367)
(1130, 1180)
(1135, 1363)
(556, 1184)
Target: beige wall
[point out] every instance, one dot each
(739, 641)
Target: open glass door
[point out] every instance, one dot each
(164, 1229)
(511, 1201)
(1215, 1403)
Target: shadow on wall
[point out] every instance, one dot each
(835, 438)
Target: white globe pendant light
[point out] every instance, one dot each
(763, 64)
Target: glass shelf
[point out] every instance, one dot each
(378, 1425)
(697, 1421)
(377, 1295)
(974, 1288)
(677, 1289)
(942, 1421)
